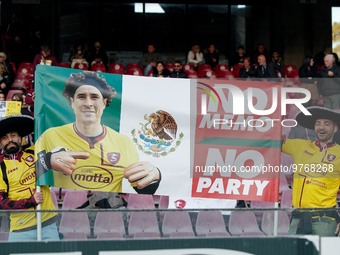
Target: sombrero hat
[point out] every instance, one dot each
(308, 121)
(23, 124)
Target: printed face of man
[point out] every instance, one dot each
(11, 143)
(88, 104)
(325, 129)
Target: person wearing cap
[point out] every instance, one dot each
(87, 154)
(316, 173)
(18, 183)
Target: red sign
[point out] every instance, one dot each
(237, 156)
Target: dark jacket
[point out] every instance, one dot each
(250, 73)
(331, 85)
(308, 75)
(180, 74)
(209, 56)
(270, 71)
(165, 73)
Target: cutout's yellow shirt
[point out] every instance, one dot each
(110, 154)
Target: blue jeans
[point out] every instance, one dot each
(49, 232)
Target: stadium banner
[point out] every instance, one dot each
(141, 111)
(237, 150)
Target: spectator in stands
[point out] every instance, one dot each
(247, 71)
(267, 70)
(195, 56)
(149, 59)
(78, 54)
(45, 57)
(3, 59)
(161, 71)
(178, 71)
(308, 74)
(312, 188)
(5, 82)
(211, 56)
(98, 55)
(319, 57)
(261, 50)
(2, 97)
(20, 193)
(239, 56)
(329, 88)
(276, 58)
(24, 107)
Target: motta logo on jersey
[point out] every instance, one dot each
(28, 177)
(92, 177)
(158, 136)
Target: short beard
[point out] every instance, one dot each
(12, 150)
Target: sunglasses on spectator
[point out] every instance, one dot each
(177, 66)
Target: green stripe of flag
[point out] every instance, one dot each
(241, 142)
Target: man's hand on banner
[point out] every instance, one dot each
(143, 172)
(65, 161)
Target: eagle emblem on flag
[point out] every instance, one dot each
(158, 136)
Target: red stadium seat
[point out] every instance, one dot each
(203, 69)
(18, 84)
(188, 67)
(319, 68)
(243, 222)
(150, 73)
(289, 68)
(143, 222)
(236, 70)
(267, 223)
(74, 236)
(134, 69)
(140, 201)
(209, 74)
(116, 68)
(77, 222)
(74, 199)
(66, 65)
(210, 222)
(109, 222)
(81, 66)
(191, 74)
(25, 65)
(221, 68)
(11, 92)
(98, 67)
(169, 66)
(175, 222)
(226, 74)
